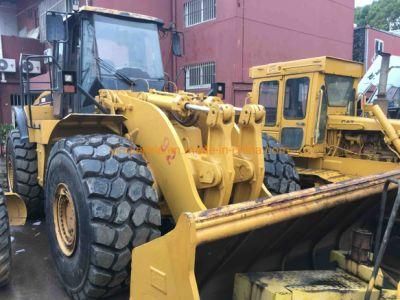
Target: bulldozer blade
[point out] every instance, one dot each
(17, 212)
(199, 258)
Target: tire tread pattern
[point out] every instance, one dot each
(25, 173)
(123, 204)
(281, 175)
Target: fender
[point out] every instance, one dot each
(20, 122)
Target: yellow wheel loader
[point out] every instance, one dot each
(181, 183)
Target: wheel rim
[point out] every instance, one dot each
(65, 219)
(10, 174)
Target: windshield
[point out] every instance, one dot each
(125, 44)
(339, 90)
(120, 54)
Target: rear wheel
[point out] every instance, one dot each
(21, 163)
(100, 203)
(281, 175)
(5, 243)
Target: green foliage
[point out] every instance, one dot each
(4, 129)
(381, 14)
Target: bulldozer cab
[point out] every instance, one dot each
(299, 95)
(96, 48)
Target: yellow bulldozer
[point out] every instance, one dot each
(179, 195)
(313, 111)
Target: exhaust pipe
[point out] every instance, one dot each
(382, 86)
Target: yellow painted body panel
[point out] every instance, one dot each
(361, 271)
(45, 129)
(358, 123)
(300, 285)
(165, 268)
(325, 64)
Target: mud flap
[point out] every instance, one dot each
(199, 258)
(16, 208)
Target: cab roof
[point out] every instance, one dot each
(325, 64)
(124, 14)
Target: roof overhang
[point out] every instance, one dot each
(122, 14)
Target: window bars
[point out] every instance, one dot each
(200, 76)
(199, 11)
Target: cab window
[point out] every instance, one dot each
(269, 91)
(296, 95)
(339, 90)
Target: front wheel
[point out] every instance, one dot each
(100, 203)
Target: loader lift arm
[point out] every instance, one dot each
(217, 166)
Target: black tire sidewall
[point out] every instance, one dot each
(70, 176)
(5, 278)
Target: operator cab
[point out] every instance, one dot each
(126, 46)
(101, 49)
(298, 97)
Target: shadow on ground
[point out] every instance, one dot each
(33, 275)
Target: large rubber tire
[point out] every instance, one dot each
(116, 209)
(5, 243)
(23, 159)
(281, 175)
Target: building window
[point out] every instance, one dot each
(199, 11)
(200, 76)
(379, 46)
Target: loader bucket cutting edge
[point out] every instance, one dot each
(201, 255)
(17, 212)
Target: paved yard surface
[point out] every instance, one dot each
(34, 277)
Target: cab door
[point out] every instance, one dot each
(269, 93)
(296, 100)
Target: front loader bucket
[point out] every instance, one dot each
(16, 209)
(295, 231)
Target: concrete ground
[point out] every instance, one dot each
(33, 274)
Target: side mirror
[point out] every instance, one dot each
(55, 27)
(176, 44)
